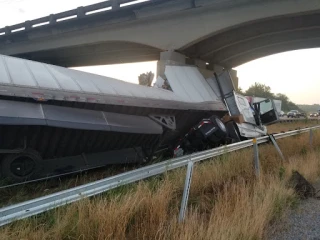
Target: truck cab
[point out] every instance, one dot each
(244, 119)
(255, 115)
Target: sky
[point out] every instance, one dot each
(294, 73)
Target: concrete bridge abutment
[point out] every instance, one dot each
(172, 57)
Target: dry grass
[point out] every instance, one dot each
(226, 201)
(25, 192)
(287, 126)
(29, 191)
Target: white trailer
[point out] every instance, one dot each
(56, 120)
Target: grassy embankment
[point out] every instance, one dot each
(226, 201)
(287, 126)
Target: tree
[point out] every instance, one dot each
(287, 105)
(259, 90)
(240, 91)
(262, 90)
(146, 78)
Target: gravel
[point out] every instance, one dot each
(302, 223)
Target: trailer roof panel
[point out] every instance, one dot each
(188, 83)
(19, 72)
(65, 81)
(29, 79)
(4, 76)
(42, 75)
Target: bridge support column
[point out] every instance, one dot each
(203, 67)
(169, 58)
(175, 58)
(235, 78)
(207, 70)
(218, 69)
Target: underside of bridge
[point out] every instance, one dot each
(101, 53)
(250, 41)
(229, 47)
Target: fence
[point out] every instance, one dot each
(42, 204)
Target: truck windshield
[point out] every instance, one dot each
(265, 106)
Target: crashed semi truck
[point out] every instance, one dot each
(55, 120)
(277, 103)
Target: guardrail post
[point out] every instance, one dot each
(273, 140)
(186, 190)
(256, 158)
(311, 137)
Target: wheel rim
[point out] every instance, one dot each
(22, 166)
(221, 125)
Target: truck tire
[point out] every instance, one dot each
(221, 132)
(19, 167)
(233, 134)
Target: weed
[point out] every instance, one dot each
(226, 201)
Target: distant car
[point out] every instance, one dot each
(302, 114)
(282, 114)
(314, 114)
(293, 114)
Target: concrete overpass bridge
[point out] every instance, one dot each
(222, 32)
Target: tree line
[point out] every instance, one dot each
(262, 90)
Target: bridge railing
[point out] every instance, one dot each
(80, 12)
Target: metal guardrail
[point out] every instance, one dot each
(42, 204)
(79, 12)
(284, 119)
